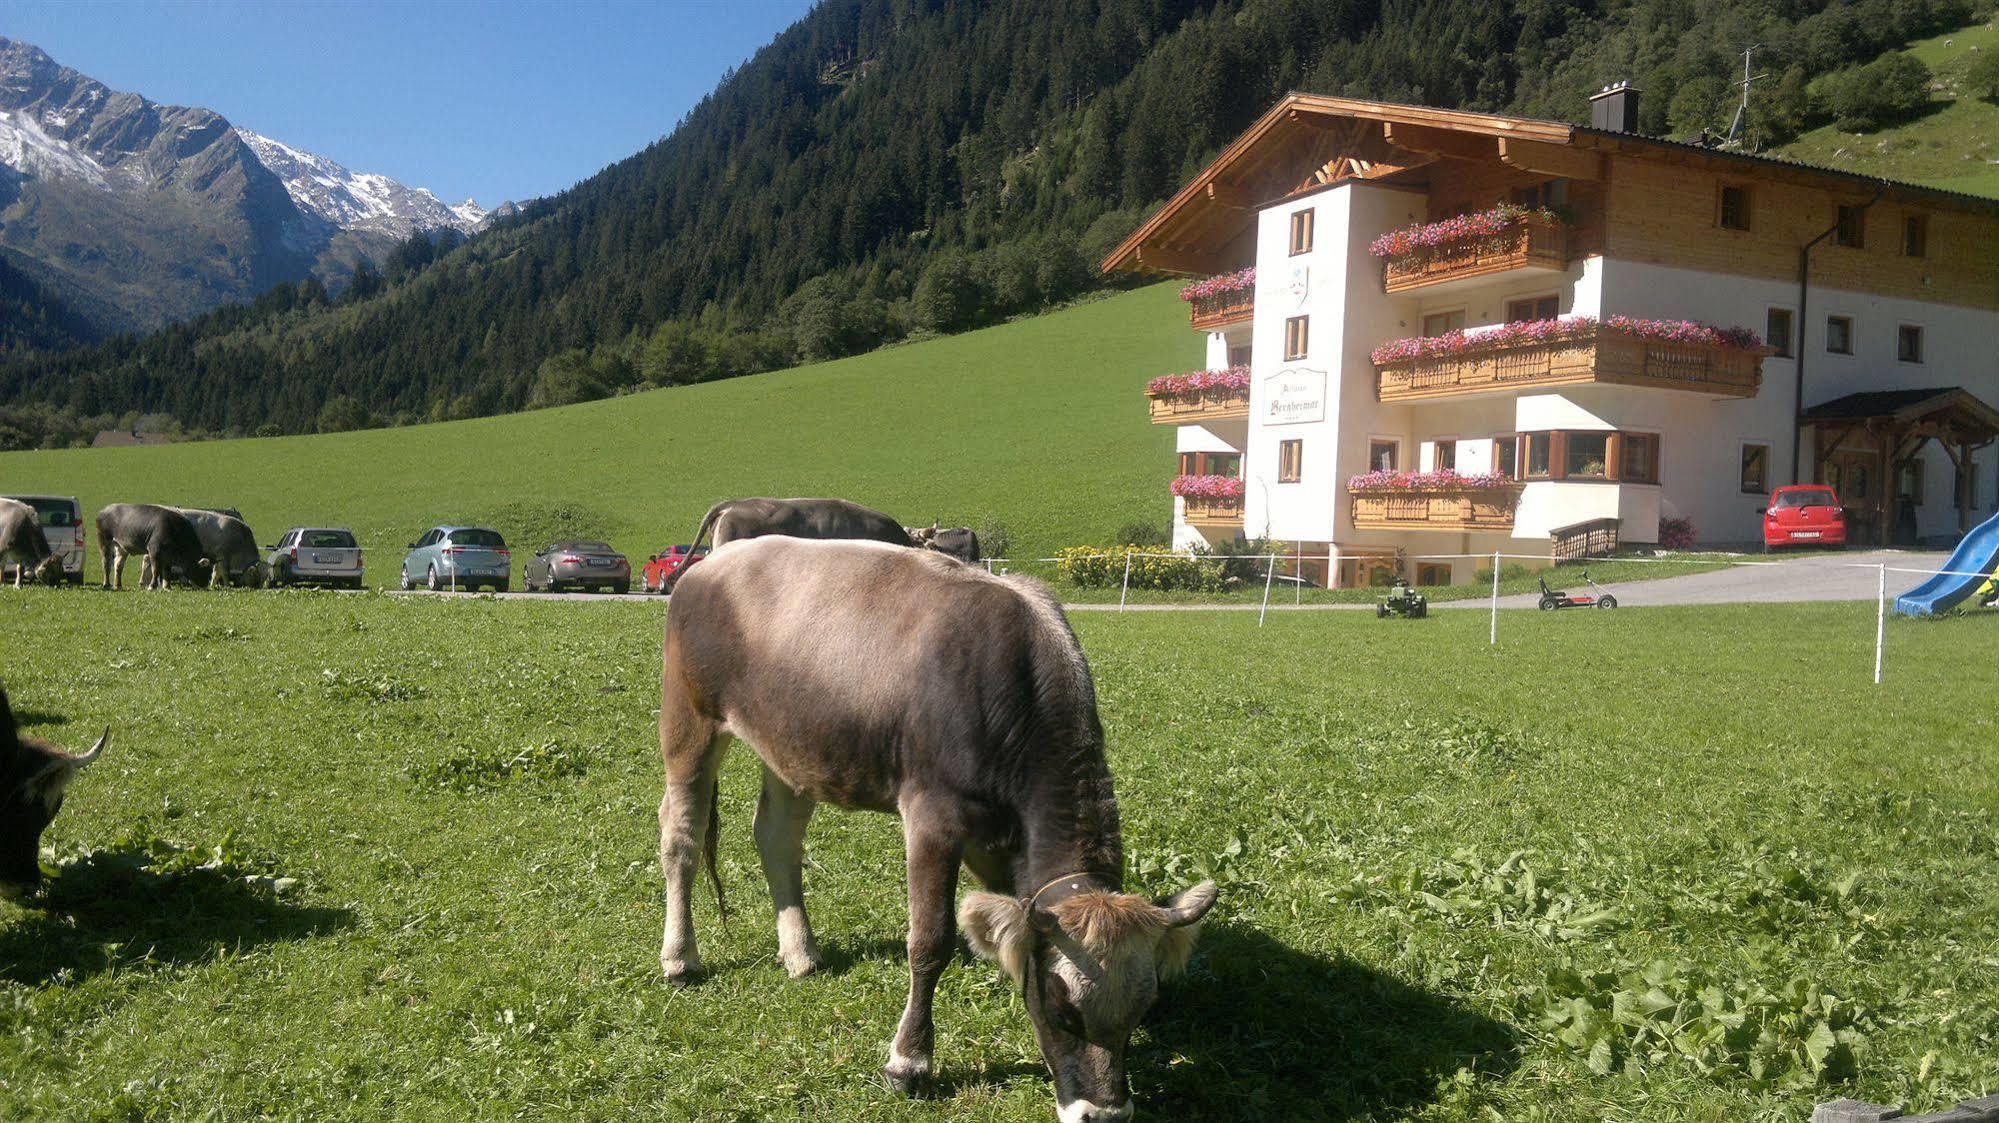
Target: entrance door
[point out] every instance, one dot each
(1855, 475)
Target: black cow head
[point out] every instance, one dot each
(33, 777)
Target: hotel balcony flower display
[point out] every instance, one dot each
(1439, 500)
(1213, 499)
(1666, 354)
(1201, 395)
(1508, 236)
(1222, 299)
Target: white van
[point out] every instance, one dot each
(62, 525)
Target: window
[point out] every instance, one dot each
(1553, 193)
(1916, 236)
(1382, 455)
(1444, 457)
(1586, 455)
(1536, 449)
(1210, 464)
(1533, 308)
(1301, 231)
(1238, 354)
(1909, 482)
(1733, 208)
(1852, 230)
(1909, 343)
(1505, 455)
(1638, 458)
(1433, 573)
(1296, 336)
(1839, 335)
(1437, 323)
(1290, 461)
(1777, 331)
(1755, 469)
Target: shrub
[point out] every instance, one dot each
(1676, 534)
(1982, 79)
(1893, 87)
(1096, 567)
(1143, 534)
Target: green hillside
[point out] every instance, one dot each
(1955, 146)
(1039, 423)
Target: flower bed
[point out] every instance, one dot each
(1529, 332)
(1446, 480)
(1225, 284)
(1456, 230)
(1214, 490)
(1200, 383)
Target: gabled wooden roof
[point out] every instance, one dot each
(1306, 141)
(1962, 411)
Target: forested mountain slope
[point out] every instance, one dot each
(895, 166)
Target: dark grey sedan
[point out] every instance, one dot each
(577, 564)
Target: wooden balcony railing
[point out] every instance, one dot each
(1438, 508)
(1535, 242)
(1211, 313)
(1593, 539)
(1193, 409)
(1213, 512)
(1598, 355)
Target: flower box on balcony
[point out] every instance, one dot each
(1210, 500)
(1432, 501)
(1619, 350)
(1216, 302)
(1469, 246)
(1202, 395)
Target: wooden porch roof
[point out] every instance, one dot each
(1938, 410)
(1308, 141)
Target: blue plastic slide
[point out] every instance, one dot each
(1976, 555)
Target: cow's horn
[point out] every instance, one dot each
(1043, 921)
(96, 751)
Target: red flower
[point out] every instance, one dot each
(1242, 280)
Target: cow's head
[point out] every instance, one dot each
(1089, 967)
(33, 776)
(50, 571)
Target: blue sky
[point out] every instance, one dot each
(490, 100)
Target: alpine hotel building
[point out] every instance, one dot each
(1432, 332)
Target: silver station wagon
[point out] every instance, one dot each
(455, 558)
(318, 556)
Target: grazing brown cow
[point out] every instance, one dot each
(866, 675)
(33, 776)
(162, 536)
(23, 543)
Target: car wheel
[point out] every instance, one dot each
(430, 580)
(621, 587)
(1608, 601)
(499, 586)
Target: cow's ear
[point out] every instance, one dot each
(1184, 913)
(997, 928)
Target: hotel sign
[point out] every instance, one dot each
(1293, 397)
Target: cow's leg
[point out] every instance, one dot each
(782, 815)
(691, 746)
(933, 848)
(111, 551)
(148, 570)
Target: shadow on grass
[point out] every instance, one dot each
(1258, 1030)
(107, 910)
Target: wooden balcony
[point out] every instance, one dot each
(1213, 313)
(1596, 355)
(1534, 242)
(1197, 409)
(1440, 508)
(1221, 514)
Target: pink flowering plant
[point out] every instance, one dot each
(1225, 284)
(1210, 488)
(1384, 479)
(1456, 229)
(1199, 383)
(1528, 332)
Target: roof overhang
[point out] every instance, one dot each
(1939, 411)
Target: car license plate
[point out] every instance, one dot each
(326, 559)
(600, 562)
(1804, 534)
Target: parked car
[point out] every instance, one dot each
(62, 525)
(458, 557)
(316, 555)
(577, 564)
(1803, 515)
(659, 575)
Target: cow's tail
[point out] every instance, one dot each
(707, 524)
(712, 843)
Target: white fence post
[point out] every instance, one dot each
(1126, 591)
(1493, 639)
(1880, 621)
(1297, 579)
(1269, 574)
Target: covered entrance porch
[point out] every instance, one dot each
(1868, 446)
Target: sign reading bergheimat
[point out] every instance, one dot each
(1295, 396)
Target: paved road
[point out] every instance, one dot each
(1818, 577)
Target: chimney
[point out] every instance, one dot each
(1614, 108)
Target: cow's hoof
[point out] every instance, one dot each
(682, 972)
(911, 1077)
(799, 966)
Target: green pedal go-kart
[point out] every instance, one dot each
(1403, 601)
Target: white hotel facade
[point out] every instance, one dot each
(1597, 434)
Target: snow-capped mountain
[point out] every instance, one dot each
(359, 200)
(135, 213)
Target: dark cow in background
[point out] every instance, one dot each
(23, 544)
(228, 544)
(900, 681)
(959, 541)
(734, 519)
(162, 535)
(33, 777)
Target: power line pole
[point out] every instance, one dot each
(1742, 108)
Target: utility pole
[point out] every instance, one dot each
(1742, 108)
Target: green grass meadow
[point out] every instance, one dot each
(1039, 423)
(365, 857)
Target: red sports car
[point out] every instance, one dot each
(1804, 515)
(660, 571)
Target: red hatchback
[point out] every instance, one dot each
(1804, 515)
(659, 571)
